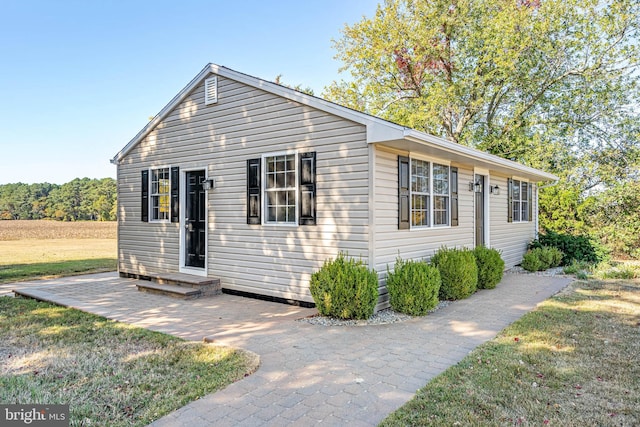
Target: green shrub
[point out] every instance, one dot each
(541, 258)
(458, 272)
(574, 248)
(490, 267)
(345, 288)
(531, 261)
(413, 287)
(576, 266)
(555, 256)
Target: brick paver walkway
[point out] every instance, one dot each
(309, 374)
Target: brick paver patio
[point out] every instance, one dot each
(309, 374)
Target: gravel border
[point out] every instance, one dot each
(556, 271)
(383, 317)
(387, 316)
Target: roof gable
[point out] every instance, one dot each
(378, 130)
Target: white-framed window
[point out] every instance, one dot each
(430, 194)
(280, 188)
(160, 194)
(520, 198)
(420, 193)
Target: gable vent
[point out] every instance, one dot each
(211, 90)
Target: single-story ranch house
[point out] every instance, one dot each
(257, 184)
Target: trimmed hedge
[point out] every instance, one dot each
(490, 267)
(458, 271)
(413, 287)
(345, 288)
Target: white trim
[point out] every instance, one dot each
(378, 130)
(150, 198)
(211, 90)
(486, 210)
(263, 191)
(183, 208)
(432, 195)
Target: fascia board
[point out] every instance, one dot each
(472, 153)
(162, 114)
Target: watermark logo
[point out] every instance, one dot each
(34, 415)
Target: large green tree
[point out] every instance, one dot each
(552, 83)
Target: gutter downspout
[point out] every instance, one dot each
(551, 184)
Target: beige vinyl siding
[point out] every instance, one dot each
(511, 238)
(389, 241)
(248, 123)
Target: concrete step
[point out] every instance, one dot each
(174, 291)
(179, 285)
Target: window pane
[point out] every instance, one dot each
(420, 210)
(160, 194)
(280, 197)
(291, 179)
(440, 179)
(516, 210)
(516, 190)
(419, 176)
(440, 210)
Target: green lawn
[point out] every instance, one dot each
(32, 259)
(110, 373)
(571, 362)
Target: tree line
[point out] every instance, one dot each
(82, 199)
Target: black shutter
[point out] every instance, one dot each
(144, 200)
(253, 191)
(307, 189)
(530, 193)
(510, 199)
(175, 194)
(454, 197)
(403, 193)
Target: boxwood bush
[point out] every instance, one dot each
(458, 272)
(490, 267)
(345, 288)
(413, 287)
(541, 258)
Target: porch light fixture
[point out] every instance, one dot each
(494, 189)
(474, 186)
(209, 184)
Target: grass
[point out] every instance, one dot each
(39, 249)
(571, 362)
(110, 373)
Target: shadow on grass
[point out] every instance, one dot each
(21, 272)
(571, 362)
(110, 373)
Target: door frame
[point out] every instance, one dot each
(183, 236)
(485, 200)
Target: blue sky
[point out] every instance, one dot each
(79, 79)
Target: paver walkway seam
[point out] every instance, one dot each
(308, 374)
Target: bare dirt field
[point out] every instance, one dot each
(44, 230)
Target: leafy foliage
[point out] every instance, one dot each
(413, 287)
(541, 258)
(345, 288)
(574, 248)
(458, 271)
(613, 217)
(490, 267)
(80, 199)
(552, 84)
